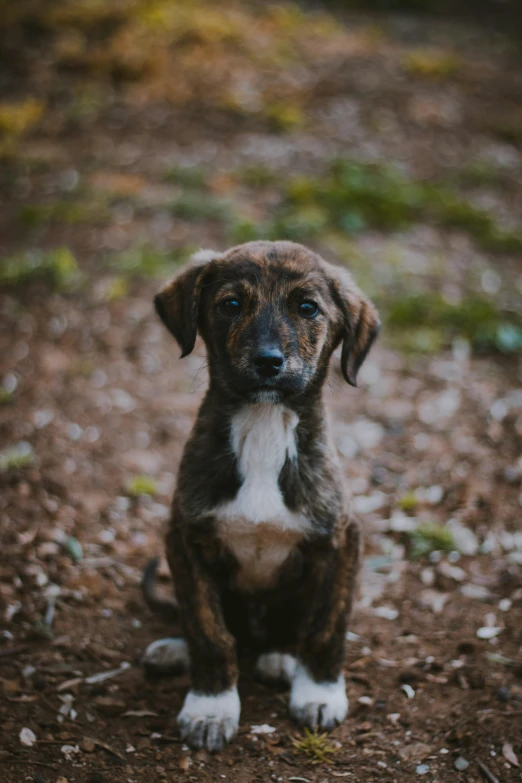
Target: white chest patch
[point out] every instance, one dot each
(257, 526)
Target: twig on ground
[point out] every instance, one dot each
(27, 762)
(486, 773)
(14, 650)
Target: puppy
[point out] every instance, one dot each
(261, 546)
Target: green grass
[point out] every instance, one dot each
(142, 485)
(196, 207)
(352, 197)
(6, 397)
(427, 322)
(430, 537)
(58, 267)
(145, 261)
(315, 746)
(255, 176)
(67, 211)
(17, 457)
(189, 177)
(408, 502)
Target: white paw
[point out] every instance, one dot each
(276, 667)
(317, 705)
(167, 656)
(209, 721)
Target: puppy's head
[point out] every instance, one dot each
(270, 313)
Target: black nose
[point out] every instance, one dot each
(268, 361)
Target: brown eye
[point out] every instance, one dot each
(230, 307)
(308, 309)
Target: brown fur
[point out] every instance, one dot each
(303, 604)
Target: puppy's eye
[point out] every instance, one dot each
(308, 309)
(230, 307)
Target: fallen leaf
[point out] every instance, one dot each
(106, 747)
(108, 706)
(509, 754)
(185, 763)
(415, 752)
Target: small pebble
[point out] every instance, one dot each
(461, 764)
(488, 632)
(421, 769)
(503, 693)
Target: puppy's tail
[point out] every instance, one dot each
(165, 607)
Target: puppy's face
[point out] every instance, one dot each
(271, 313)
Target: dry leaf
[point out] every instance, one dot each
(185, 763)
(509, 754)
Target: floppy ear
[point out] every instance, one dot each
(359, 322)
(177, 304)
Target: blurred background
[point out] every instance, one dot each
(388, 137)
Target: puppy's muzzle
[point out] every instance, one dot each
(268, 362)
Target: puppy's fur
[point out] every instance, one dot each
(261, 547)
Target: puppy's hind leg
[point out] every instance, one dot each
(276, 667)
(167, 656)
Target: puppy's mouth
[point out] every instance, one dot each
(265, 394)
(272, 391)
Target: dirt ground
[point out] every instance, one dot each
(95, 398)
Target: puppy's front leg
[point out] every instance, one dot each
(318, 693)
(210, 714)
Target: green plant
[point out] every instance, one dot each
(437, 321)
(16, 457)
(58, 267)
(142, 485)
(197, 207)
(430, 537)
(408, 502)
(145, 260)
(189, 177)
(315, 746)
(352, 196)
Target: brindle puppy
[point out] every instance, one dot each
(261, 545)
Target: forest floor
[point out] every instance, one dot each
(395, 147)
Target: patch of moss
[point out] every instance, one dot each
(6, 397)
(430, 537)
(148, 261)
(142, 485)
(17, 457)
(435, 64)
(58, 267)
(189, 177)
(408, 502)
(351, 197)
(197, 207)
(256, 176)
(427, 322)
(16, 119)
(284, 116)
(116, 288)
(64, 211)
(481, 173)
